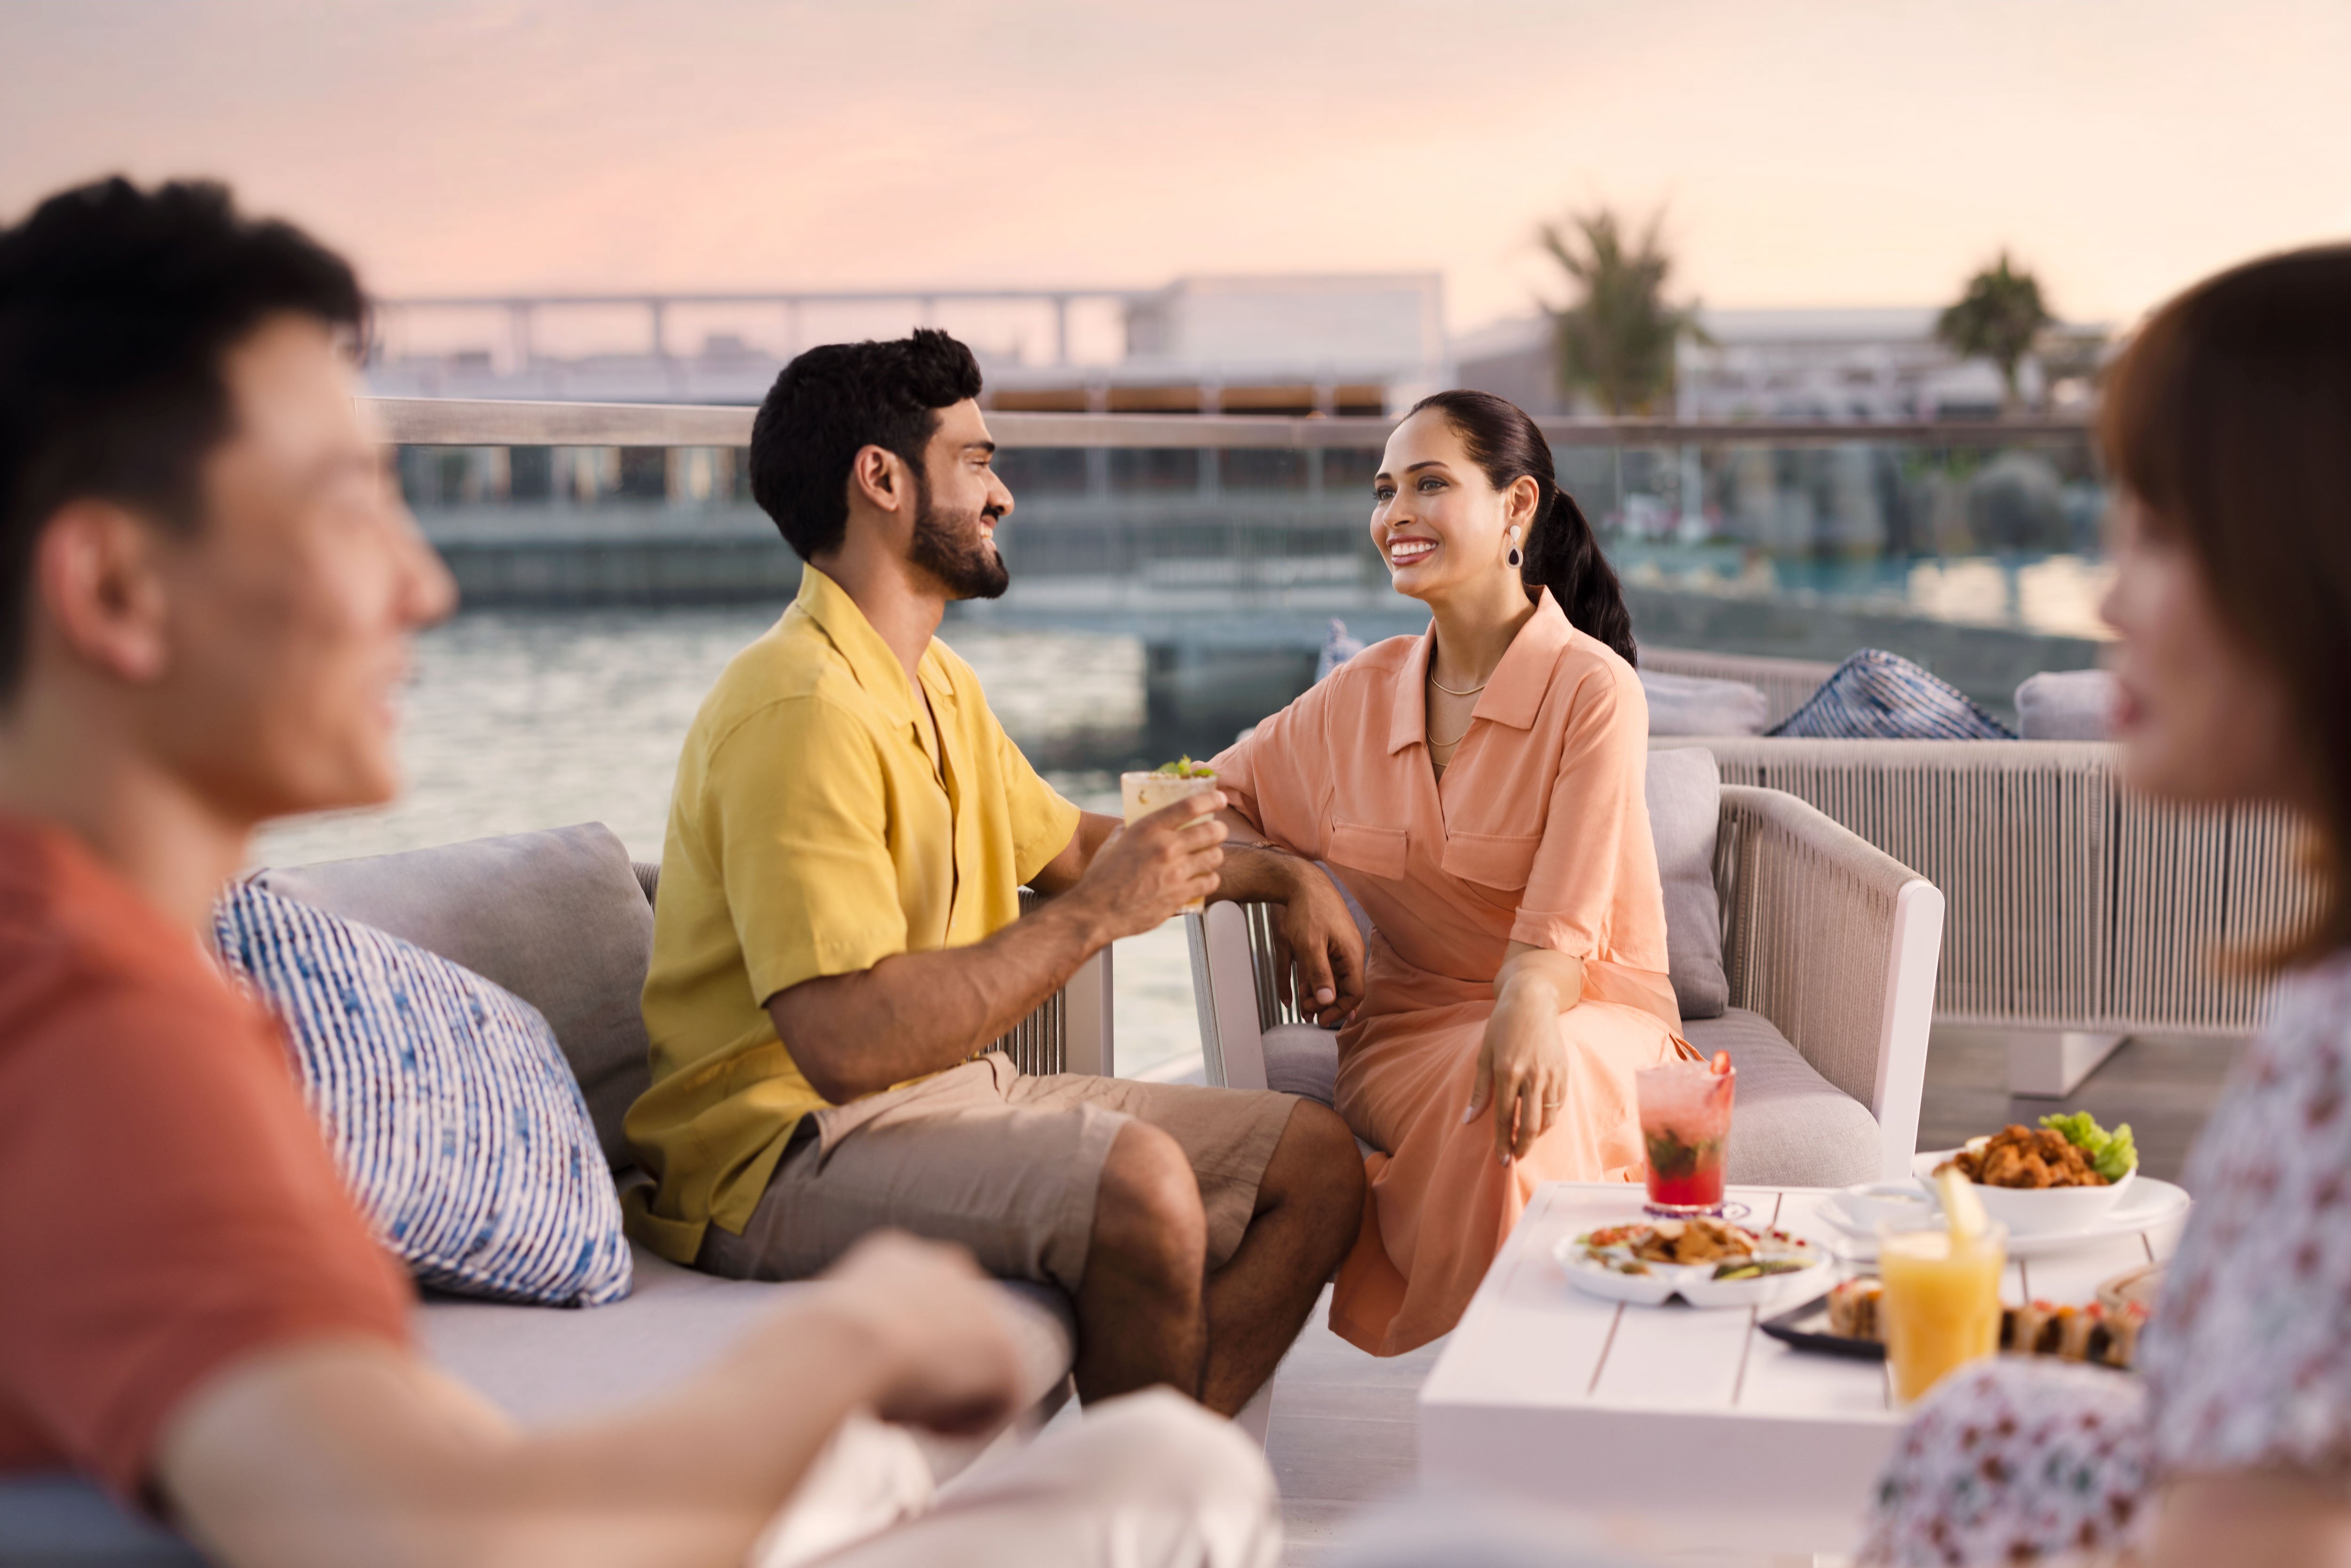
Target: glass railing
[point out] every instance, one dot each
(1261, 522)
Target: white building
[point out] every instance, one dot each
(1336, 343)
(1876, 365)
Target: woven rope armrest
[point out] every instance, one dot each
(1835, 942)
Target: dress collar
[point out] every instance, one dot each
(1514, 693)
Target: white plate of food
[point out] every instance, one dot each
(1707, 1262)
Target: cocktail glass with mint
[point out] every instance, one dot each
(1685, 1125)
(1144, 793)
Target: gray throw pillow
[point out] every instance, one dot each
(2066, 705)
(1683, 790)
(557, 917)
(1695, 705)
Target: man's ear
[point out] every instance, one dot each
(879, 476)
(96, 580)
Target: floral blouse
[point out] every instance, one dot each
(2247, 1364)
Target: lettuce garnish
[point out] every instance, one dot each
(2111, 1155)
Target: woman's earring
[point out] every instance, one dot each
(1516, 560)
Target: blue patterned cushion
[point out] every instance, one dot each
(448, 1103)
(1878, 696)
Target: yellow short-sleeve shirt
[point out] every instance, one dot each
(809, 833)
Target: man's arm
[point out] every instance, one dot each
(918, 1013)
(1318, 947)
(350, 1451)
(1318, 941)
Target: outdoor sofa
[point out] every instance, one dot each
(2080, 911)
(564, 920)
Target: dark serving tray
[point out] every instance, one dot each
(1807, 1327)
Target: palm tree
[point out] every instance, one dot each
(1617, 340)
(1996, 318)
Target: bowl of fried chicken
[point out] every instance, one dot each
(2065, 1175)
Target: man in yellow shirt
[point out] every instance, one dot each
(837, 941)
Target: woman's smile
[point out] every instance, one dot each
(1406, 552)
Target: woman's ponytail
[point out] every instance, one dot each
(1561, 552)
(1563, 555)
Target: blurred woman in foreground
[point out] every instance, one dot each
(2228, 429)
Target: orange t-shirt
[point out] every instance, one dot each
(167, 1206)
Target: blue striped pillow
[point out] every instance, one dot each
(1878, 696)
(446, 1101)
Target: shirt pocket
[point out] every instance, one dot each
(1377, 852)
(1498, 861)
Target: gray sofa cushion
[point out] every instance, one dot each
(1303, 1060)
(1696, 704)
(1789, 1126)
(540, 1365)
(1685, 798)
(2066, 705)
(557, 917)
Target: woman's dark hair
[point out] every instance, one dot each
(117, 309)
(2228, 418)
(833, 401)
(1561, 551)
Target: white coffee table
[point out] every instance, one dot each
(1671, 1427)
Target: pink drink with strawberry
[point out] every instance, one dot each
(1685, 1125)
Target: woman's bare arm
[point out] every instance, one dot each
(354, 1452)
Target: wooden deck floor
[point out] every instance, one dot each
(1343, 1433)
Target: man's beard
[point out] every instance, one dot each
(949, 547)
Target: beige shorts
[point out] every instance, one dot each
(1002, 1163)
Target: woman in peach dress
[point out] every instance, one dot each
(1478, 789)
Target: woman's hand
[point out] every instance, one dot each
(1523, 1061)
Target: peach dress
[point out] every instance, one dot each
(1537, 833)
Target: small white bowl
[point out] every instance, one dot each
(1864, 1207)
(2038, 1211)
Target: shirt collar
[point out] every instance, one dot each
(1408, 720)
(1514, 693)
(873, 664)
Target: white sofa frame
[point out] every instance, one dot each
(1832, 940)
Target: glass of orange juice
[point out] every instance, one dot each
(1142, 793)
(1941, 1305)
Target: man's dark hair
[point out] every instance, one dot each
(117, 308)
(833, 401)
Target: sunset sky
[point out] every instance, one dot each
(1851, 154)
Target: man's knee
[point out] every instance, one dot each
(1148, 1204)
(1317, 1157)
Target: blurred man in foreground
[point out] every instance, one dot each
(208, 592)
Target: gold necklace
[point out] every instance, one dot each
(1450, 692)
(1449, 745)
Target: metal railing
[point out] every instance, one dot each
(454, 422)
